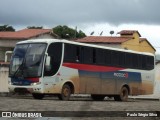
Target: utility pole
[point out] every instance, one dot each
(75, 32)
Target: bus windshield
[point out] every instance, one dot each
(27, 60)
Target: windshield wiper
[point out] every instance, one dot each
(23, 61)
(20, 66)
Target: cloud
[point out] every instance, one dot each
(87, 15)
(74, 12)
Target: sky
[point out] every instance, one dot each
(87, 15)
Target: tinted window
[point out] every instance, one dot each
(122, 59)
(129, 59)
(87, 55)
(115, 58)
(55, 52)
(70, 53)
(144, 62)
(135, 60)
(150, 62)
(107, 54)
(140, 61)
(100, 56)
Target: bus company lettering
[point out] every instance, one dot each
(122, 75)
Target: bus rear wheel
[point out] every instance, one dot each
(97, 97)
(123, 96)
(65, 93)
(37, 96)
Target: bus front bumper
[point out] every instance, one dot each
(24, 89)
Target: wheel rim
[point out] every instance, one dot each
(124, 94)
(66, 92)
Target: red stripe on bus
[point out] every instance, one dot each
(33, 79)
(93, 68)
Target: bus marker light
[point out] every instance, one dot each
(58, 74)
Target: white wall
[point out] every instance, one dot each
(157, 56)
(3, 79)
(157, 79)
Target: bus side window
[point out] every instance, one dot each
(144, 62)
(129, 60)
(70, 53)
(78, 54)
(107, 54)
(135, 61)
(140, 61)
(150, 62)
(88, 55)
(115, 58)
(55, 52)
(100, 57)
(94, 56)
(122, 59)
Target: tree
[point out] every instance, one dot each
(35, 27)
(6, 28)
(81, 34)
(68, 33)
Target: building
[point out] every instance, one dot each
(157, 74)
(136, 43)
(128, 39)
(9, 39)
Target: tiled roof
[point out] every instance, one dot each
(103, 39)
(128, 32)
(23, 34)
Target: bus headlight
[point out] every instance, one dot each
(37, 83)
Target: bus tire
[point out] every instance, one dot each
(65, 93)
(38, 96)
(123, 96)
(97, 97)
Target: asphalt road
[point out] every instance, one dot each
(114, 109)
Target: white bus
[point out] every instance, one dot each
(60, 67)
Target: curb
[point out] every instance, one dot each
(144, 98)
(7, 94)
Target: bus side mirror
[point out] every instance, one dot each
(47, 63)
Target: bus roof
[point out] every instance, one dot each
(49, 41)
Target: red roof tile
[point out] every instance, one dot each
(24, 34)
(128, 32)
(103, 39)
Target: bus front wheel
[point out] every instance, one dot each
(37, 96)
(65, 93)
(123, 96)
